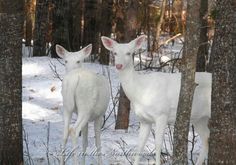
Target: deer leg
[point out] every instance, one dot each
(203, 131)
(67, 119)
(97, 130)
(161, 123)
(85, 141)
(74, 131)
(143, 136)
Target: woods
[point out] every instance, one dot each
(178, 118)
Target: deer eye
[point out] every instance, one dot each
(78, 62)
(128, 54)
(66, 61)
(114, 53)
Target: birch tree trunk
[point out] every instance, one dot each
(11, 34)
(222, 140)
(187, 84)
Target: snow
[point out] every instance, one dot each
(43, 119)
(42, 107)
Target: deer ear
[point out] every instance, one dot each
(108, 43)
(138, 42)
(87, 50)
(61, 52)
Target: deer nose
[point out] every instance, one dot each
(119, 66)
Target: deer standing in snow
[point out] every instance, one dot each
(154, 97)
(85, 93)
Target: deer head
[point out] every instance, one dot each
(123, 52)
(73, 60)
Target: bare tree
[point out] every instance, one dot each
(40, 29)
(202, 54)
(106, 27)
(29, 14)
(177, 15)
(75, 24)
(162, 13)
(11, 34)
(60, 18)
(223, 63)
(187, 83)
(91, 26)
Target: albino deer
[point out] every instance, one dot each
(154, 97)
(86, 94)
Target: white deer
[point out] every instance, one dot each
(85, 93)
(154, 97)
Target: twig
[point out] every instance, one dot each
(26, 140)
(170, 39)
(54, 69)
(112, 98)
(193, 144)
(48, 135)
(122, 147)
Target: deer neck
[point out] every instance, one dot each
(127, 77)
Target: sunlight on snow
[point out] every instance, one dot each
(36, 113)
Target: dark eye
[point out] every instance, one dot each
(78, 62)
(128, 54)
(114, 53)
(66, 61)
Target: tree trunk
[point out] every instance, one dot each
(75, 24)
(158, 31)
(202, 54)
(91, 26)
(106, 28)
(29, 22)
(177, 15)
(40, 30)
(60, 33)
(187, 84)
(222, 140)
(130, 25)
(11, 34)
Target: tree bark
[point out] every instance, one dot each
(29, 22)
(60, 32)
(202, 54)
(106, 27)
(222, 140)
(187, 84)
(11, 34)
(40, 30)
(75, 24)
(91, 26)
(158, 31)
(177, 15)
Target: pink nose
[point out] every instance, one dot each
(119, 66)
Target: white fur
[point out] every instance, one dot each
(154, 97)
(86, 94)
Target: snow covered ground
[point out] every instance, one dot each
(42, 115)
(43, 122)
